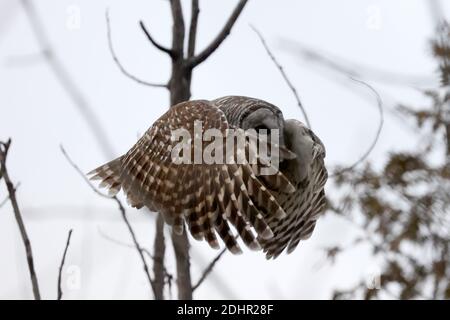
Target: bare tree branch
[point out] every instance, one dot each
(121, 67)
(177, 29)
(285, 77)
(193, 28)
(340, 65)
(202, 56)
(75, 166)
(377, 134)
(124, 217)
(158, 258)
(209, 269)
(4, 148)
(166, 273)
(61, 266)
(7, 197)
(122, 243)
(153, 41)
(350, 74)
(137, 245)
(66, 81)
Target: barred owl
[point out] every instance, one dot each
(268, 211)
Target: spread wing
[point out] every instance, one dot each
(303, 207)
(205, 198)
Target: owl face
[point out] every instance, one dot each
(250, 113)
(300, 140)
(265, 118)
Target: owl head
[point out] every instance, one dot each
(250, 113)
(296, 137)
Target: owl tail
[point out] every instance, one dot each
(109, 175)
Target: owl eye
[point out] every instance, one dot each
(261, 127)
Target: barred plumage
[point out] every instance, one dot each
(267, 211)
(306, 172)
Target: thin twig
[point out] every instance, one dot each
(153, 41)
(4, 148)
(75, 166)
(136, 244)
(331, 63)
(193, 28)
(119, 64)
(340, 65)
(123, 243)
(203, 55)
(209, 269)
(61, 266)
(167, 275)
(350, 75)
(7, 197)
(123, 214)
(377, 135)
(66, 80)
(115, 241)
(283, 73)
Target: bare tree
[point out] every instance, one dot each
(183, 64)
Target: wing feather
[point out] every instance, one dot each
(305, 205)
(208, 198)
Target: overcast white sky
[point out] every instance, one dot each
(37, 113)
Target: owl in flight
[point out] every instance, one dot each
(211, 198)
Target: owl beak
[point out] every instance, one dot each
(283, 151)
(286, 154)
